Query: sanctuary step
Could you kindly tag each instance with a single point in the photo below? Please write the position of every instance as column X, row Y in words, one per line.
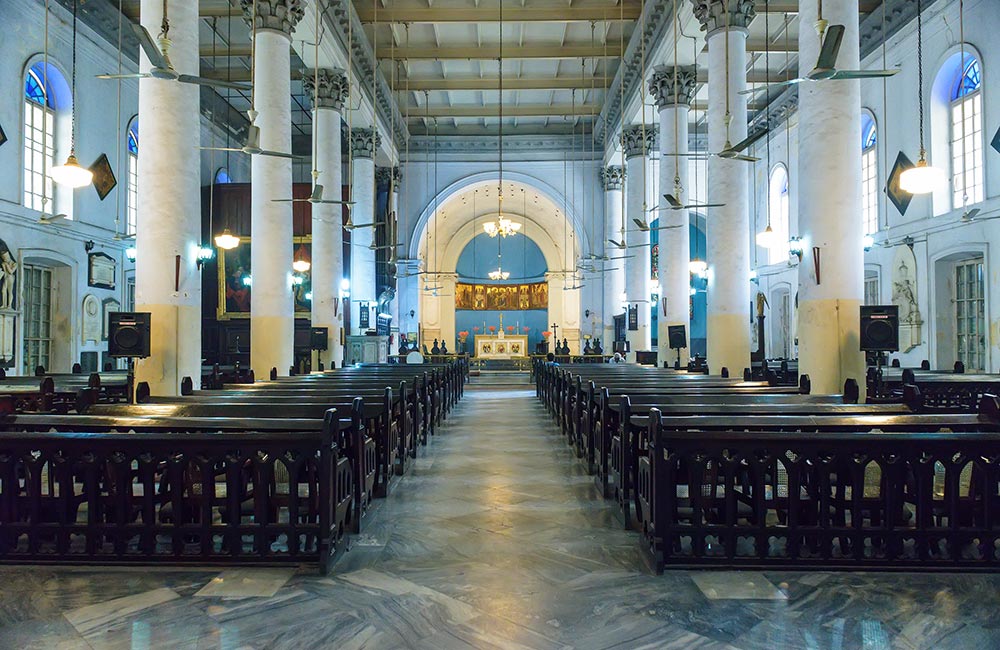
column 493, row 378
column 502, row 365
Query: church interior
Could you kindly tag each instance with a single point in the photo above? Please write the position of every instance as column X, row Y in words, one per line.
column 499, row 324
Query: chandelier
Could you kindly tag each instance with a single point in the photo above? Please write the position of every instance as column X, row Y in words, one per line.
column 499, row 274
column 502, row 227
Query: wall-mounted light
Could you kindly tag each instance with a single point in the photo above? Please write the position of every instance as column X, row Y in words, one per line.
column 753, row 276
column 297, row 280
column 130, row 253
column 309, row 296
column 795, row 247
column 868, row 242
column 302, row 262
column 248, row 281
column 204, row 253
column 693, row 291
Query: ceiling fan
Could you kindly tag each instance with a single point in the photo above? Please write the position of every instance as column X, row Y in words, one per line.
column 316, row 196
column 677, row 205
column 643, row 226
column 826, row 63
column 51, row 218
column 158, row 53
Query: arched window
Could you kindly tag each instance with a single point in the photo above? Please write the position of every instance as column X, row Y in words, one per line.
column 39, row 138
column 967, row 134
column 869, row 174
column 132, row 201
column 777, row 198
column 222, row 176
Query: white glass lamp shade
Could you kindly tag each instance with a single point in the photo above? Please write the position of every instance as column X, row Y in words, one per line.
column 227, row 241
column 767, row 238
column 71, row 174
column 922, row 178
column 697, row 267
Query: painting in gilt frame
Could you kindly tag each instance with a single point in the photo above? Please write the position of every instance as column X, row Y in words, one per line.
column 500, row 297
column 234, row 295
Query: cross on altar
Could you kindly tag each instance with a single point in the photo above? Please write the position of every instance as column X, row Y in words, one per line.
column 555, row 333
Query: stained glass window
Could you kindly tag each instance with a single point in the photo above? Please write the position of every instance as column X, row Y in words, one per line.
column 34, row 90
column 869, row 174
column 967, row 138
column 970, row 81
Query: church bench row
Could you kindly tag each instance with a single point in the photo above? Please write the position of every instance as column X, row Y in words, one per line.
column 941, row 391
column 60, row 393
column 99, row 489
column 903, row 492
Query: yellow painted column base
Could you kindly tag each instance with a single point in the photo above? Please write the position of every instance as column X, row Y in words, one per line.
column 728, row 343
column 271, row 341
column 174, row 347
column 829, row 344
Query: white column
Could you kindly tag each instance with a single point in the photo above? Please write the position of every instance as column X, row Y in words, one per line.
column 392, row 253
column 673, row 91
column 613, row 181
column 728, row 237
column 637, row 143
column 272, row 319
column 327, row 218
column 556, row 281
column 168, row 225
column 408, row 294
column 364, row 144
column 830, row 176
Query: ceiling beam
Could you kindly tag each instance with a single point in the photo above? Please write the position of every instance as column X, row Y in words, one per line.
column 493, row 110
column 492, row 83
column 554, row 13
column 792, row 6
column 206, row 10
column 207, row 52
column 490, row 52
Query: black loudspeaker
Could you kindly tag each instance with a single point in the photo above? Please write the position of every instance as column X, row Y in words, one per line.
column 677, row 336
column 128, row 334
column 879, row 328
column 318, row 337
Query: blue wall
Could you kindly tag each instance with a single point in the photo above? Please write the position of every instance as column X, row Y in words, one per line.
column 697, row 335
column 524, row 259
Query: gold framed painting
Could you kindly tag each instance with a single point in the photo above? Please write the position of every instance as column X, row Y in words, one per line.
column 235, row 270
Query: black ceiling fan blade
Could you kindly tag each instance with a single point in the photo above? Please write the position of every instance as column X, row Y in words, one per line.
column 695, row 206
column 746, row 142
column 672, row 200
column 827, row 59
column 863, row 74
column 642, row 225
column 149, row 47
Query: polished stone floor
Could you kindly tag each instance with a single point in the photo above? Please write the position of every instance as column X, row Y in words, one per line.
column 496, row 540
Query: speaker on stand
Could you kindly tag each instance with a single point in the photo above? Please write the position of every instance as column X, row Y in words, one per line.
column 128, row 337
column 677, row 339
column 879, row 333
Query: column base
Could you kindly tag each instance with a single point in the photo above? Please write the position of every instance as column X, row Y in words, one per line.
column 728, row 343
column 175, row 349
column 829, row 344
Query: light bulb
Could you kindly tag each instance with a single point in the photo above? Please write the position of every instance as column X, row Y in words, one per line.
column 921, row 179
column 697, row 267
column 130, row 253
column 767, row 238
column 71, row 173
column 301, row 266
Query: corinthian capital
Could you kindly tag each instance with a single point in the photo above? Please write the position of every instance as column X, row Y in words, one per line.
column 663, row 88
column 332, row 90
column 613, row 178
column 277, row 15
column 364, row 142
column 633, row 143
column 712, row 14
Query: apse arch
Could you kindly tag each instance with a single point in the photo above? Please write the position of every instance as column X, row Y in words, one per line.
column 554, row 196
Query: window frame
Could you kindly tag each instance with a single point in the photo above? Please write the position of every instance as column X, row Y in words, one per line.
column 780, row 209
column 44, row 202
column 968, row 99
column 869, row 174
column 961, row 312
column 31, row 309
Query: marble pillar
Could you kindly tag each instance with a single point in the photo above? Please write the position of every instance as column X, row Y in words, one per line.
column 327, row 218
column 831, row 273
column 396, row 183
column 728, row 236
column 638, row 143
column 673, row 91
column 613, row 182
column 364, row 144
column 272, row 316
column 169, row 218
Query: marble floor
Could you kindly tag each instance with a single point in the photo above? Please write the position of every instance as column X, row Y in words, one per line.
column 496, row 540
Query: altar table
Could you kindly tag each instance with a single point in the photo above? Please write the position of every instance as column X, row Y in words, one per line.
column 506, row 347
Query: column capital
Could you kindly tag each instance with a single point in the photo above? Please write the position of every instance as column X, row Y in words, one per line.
column 364, row 142
column 633, row 143
column 668, row 94
column 712, row 14
column 613, row 178
column 332, row 91
column 276, row 15
column 388, row 177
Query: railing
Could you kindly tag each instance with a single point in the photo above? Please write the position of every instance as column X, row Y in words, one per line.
column 821, row 499
column 203, row 497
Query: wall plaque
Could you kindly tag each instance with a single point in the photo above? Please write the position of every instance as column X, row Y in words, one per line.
column 101, row 271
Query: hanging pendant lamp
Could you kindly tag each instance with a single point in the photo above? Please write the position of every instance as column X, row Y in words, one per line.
column 921, row 179
column 70, row 173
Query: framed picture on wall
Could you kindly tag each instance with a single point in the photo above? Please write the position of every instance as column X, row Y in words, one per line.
column 235, row 284
column 101, row 271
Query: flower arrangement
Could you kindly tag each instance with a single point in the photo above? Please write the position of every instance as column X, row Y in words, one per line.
column 510, row 329
column 462, row 336
column 525, row 329
column 475, row 329
column 493, row 329
column 546, row 334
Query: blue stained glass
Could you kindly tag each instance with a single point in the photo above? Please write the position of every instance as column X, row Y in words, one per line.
column 868, row 137
column 133, row 144
column 971, row 80
column 222, row 176
column 34, row 91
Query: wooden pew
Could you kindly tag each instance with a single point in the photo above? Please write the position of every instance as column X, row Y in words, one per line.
column 107, row 490
column 903, row 492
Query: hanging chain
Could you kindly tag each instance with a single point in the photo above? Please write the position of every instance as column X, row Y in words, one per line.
column 920, row 73
column 72, row 129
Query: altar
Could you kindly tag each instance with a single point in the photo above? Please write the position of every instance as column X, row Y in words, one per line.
column 501, row 347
